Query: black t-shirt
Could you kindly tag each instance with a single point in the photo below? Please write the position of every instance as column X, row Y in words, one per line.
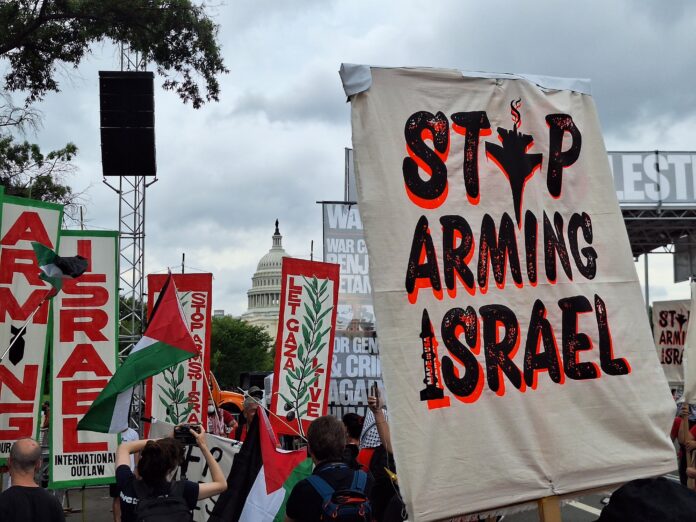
column 129, row 499
column 26, row 504
column 304, row 503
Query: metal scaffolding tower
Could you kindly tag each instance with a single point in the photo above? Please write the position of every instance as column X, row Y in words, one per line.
column 131, row 247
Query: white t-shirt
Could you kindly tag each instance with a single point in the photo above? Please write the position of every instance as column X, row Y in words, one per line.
column 130, row 435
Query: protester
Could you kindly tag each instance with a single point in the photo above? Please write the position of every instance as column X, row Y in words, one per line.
column 353, row 424
column 127, row 435
column 25, row 501
column 220, row 421
column 375, row 443
column 159, row 459
column 326, row 440
column 250, row 405
column 687, row 443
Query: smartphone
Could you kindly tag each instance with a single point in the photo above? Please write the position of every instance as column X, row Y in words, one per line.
column 374, row 390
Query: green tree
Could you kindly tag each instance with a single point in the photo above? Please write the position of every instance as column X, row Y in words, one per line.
column 238, row 347
column 177, row 35
column 39, row 36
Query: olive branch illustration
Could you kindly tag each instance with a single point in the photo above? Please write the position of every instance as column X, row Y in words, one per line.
column 178, row 406
column 313, row 342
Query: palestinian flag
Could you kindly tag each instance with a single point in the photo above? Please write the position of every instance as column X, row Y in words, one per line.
column 167, row 341
column 261, row 478
column 55, row 268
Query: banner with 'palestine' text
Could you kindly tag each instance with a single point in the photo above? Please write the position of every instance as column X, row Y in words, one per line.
column 304, row 344
column 180, row 393
column 84, row 358
column 21, row 294
column 516, row 352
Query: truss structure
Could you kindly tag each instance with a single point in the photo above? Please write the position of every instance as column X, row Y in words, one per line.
column 659, row 228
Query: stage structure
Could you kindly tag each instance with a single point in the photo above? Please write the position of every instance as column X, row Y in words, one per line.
column 657, row 196
column 127, row 121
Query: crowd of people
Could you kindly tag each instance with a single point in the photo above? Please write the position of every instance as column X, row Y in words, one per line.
column 351, row 456
column 354, row 475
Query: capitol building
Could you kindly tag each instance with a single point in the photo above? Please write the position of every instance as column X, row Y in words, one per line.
column 264, row 296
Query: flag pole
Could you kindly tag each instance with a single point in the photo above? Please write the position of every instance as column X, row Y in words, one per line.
column 24, row 327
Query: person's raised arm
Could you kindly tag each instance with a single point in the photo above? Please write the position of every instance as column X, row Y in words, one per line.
column 219, row 482
column 375, row 404
column 125, row 449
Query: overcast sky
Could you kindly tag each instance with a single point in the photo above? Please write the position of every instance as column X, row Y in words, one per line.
column 274, row 144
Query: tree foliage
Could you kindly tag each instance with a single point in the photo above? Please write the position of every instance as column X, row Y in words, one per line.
column 177, row 35
column 238, row 347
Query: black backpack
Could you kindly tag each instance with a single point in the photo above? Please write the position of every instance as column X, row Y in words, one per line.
column 163, row 508
column 344, row 505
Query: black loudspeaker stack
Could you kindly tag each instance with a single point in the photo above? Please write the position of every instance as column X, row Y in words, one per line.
column 127, row 114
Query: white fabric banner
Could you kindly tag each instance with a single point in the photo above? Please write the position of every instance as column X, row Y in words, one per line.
column 670, row 323
column 83, row 359
column 21, row 293
column 222, row 449
column 516, row 351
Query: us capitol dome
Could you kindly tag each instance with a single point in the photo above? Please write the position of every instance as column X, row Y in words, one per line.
column 264, row 296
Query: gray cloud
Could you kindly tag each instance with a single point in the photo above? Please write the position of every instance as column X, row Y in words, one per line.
column 274, row 144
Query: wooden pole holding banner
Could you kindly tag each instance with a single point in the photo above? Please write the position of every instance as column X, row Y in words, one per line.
column 549, row 509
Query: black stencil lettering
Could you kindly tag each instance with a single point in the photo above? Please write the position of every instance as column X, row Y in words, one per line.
column 500, row 248
column 499, row 353
column 455, row 318
column 427, row 269
column 455, row 258
column 559, row 124
column 540, row 332
column 554, row 243
column 530, row 245
column 574, row 341
column 609, row 364
column 472, row 123
column 584, row 223
column 437, row 124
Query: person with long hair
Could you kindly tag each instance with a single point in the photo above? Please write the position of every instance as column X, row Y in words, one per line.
column 159, row 459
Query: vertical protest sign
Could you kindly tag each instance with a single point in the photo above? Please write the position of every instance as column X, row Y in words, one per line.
column 84, row 358
column 180, row 393
column 304, row 344
column 21, row 294
column 670, row 322
column 515, row 348
column 356, row 363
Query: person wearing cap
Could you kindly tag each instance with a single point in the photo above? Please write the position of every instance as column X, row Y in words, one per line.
column 251, row 404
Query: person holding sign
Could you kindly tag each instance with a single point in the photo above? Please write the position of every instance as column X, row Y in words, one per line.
column 687, row 441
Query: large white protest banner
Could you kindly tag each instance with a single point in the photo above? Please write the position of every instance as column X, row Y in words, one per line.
column 83, row 359
column 194, row 465
column 22, row 294
column 516, row 352
column 670, row 321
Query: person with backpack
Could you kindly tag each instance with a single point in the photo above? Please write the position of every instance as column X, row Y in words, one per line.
column 152, row 496
column 334, row 491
